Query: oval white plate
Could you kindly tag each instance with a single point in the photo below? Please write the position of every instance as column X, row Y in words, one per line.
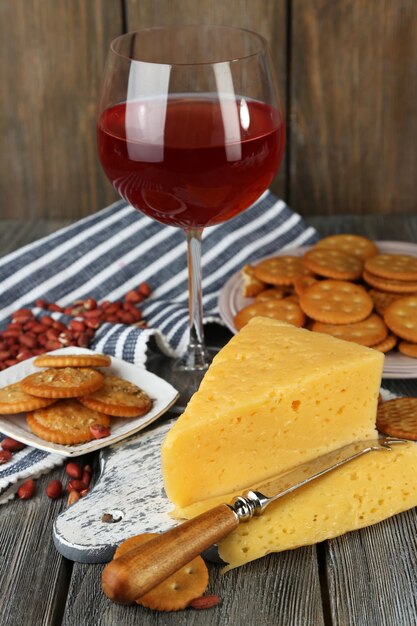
column 161, row 392
column 231, row 301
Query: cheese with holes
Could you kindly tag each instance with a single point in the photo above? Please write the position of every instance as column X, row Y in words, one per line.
column 274, row 397
column 358, row 494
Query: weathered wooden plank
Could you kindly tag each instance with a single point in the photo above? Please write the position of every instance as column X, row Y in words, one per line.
column 396, row 228
column 280, row 589
column 353, row 116
column 51, row 62
column 16, row 233
column 372, row 574
column 33, row 576
column 269, row 18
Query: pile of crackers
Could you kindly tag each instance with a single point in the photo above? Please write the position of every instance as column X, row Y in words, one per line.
column 342, row 286
column 72, row 401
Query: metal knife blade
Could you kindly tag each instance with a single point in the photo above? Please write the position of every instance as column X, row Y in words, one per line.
column 255, row 501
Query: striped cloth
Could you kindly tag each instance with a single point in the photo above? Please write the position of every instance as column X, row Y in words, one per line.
column 111, row 252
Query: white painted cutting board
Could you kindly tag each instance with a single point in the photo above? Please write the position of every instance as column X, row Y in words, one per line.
column 129, row 489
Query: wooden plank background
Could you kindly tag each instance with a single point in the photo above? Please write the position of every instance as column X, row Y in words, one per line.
column 347, row 71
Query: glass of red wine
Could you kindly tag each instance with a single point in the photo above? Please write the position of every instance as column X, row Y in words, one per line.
column 190, row 132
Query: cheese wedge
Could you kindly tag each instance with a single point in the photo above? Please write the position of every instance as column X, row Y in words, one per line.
column 274, row 397
column 363, row 492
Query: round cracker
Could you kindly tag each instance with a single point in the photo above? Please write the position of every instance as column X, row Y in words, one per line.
column 389, row 285
column 393, row 266
column 408, row 349
column 72, row 360
column 401, row 318
column 66, row 382
column 179, row 589
column 118, row 397
column 14, row 400
column 275, row 293
column 368, row 332
column 398, row 418
column 251, row 285
column 332, row 263
column 382, row 299
column 280, row 270
column 336, row 302
column 355, row 245
column 387, row 344
column 285, row 310
column 66, row 422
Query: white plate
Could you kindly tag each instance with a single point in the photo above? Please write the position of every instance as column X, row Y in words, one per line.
column 231, row 301
column 161, row 392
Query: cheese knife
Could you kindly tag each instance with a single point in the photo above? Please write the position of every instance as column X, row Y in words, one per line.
column 133, row 574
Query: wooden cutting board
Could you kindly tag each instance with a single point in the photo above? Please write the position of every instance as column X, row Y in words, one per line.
column 129, row 491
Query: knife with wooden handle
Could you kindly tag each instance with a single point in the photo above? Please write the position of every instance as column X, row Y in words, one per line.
column 133, row 574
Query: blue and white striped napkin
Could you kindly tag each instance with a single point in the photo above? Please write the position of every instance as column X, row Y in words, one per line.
column 113, row 251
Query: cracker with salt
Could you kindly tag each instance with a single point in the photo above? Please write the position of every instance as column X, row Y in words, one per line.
column 179, row 589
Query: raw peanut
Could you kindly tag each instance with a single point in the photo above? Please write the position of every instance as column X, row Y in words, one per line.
column 11, row 333
column 133, row 296
column 73, row 470
column 23, row 355
column 76, row 325
column 54, row 489
column 83, row 340
column 59, row 326
column 28, row 340
column 93, row 314
column 26, row 489
column 144, row 289
column 73, row 497
column 111, row 318
column 53, row 345
column 90, row 304
column 94, row 324
column 4, row 354
column 12, row 445
column 113, row 307
column 52, row 334
column 126, row 317
column 10, row 362
column 20, row 312
column 22, row 319
column 76, row 485
column 99, row 431
column 41, row 304
column 37, row 327
column 84, row 492
column 86, row 477
column 46, row 320
column 54, row 307
column 204, row 602
column 5, row 456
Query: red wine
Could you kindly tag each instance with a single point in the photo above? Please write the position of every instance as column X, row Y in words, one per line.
column 191, row 161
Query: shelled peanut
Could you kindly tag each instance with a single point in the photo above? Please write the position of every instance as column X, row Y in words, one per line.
column 27, row 335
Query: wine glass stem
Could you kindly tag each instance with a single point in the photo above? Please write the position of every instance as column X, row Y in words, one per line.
column 196, row 357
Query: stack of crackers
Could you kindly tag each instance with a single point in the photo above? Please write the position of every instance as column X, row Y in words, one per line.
column 72, row 401
column 342, row 286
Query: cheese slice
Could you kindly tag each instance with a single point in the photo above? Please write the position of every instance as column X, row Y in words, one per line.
column 274, row 397
column 358, row 494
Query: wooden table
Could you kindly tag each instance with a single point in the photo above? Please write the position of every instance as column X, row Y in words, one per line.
column 367, row 577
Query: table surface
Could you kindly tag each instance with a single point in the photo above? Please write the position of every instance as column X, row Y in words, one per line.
column 365, row 577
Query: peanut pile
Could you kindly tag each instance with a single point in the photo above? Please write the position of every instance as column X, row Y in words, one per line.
column 27, row 335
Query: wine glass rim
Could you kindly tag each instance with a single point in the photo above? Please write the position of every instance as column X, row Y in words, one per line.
column 263, row 44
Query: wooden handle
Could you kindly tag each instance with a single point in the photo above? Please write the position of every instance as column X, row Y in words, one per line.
column 131, row 575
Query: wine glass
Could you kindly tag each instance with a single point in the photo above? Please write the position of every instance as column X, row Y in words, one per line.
column 190, row 132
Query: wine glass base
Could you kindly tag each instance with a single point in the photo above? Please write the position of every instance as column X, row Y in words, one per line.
column 173, row 371
column 176, row 372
